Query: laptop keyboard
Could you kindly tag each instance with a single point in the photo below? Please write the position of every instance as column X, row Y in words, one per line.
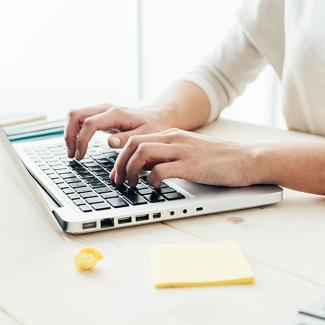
column 86, row 183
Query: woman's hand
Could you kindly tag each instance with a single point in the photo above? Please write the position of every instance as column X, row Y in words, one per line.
column 186, row 155
column 83, row 123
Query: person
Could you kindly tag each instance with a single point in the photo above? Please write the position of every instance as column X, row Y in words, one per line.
column 287, row 34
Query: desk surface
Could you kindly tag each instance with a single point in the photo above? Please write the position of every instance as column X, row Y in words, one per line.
column 284, row 244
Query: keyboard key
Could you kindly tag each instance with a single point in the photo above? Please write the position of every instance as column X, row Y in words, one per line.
column 144, row 179
column 154, row 197
column 84, row 208
column 62, row 171
column 68, row 191
column 109, row 195
column 73, row 163
column 86, row 160
column 108, row 165
column 103, row 190
column 67, row 175
column 164, row 190
column 72, row 180
column 91, row 164
column 141, row 186
column 146, row 191
column 98, row 156
column 108, row 181
column 95, row 169
column 117, row 202
column 58, row 181
column 113, row 186
column 54, row 163
column 94, row 200
column 102, row 160
column 85, row 173
column 63, row 186
column 163, row 185
column 97, row 184
column 88, row 195
column 111, row 154
column 79, row 202
column 90, row 179
column 174, row 196
column 82, row 189
column 102, row 172
column 73, row 196
column 100, row 206
column 79, row 184
column 134, row 198
column 60, row 166
column 121, row 188
column 53, row 176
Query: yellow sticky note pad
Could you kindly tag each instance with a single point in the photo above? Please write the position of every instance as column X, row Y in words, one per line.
column 200, row 264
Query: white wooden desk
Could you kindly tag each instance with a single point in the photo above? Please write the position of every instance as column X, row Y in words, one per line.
column 284, row 243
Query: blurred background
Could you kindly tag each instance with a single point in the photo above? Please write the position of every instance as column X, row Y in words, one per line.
column 61, row 54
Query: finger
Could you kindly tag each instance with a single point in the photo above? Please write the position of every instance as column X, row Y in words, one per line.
column 130, row 147
column 149, row 152
column 112, row 174
column 90, row 125
column 75, row 119
column 118, row 140
column 114, row 118
column 166, row 170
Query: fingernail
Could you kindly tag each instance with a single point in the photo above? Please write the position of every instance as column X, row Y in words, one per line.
column 115, row 141
column 77, row 155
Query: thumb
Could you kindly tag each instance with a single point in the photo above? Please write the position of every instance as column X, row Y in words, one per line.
column 118, row 140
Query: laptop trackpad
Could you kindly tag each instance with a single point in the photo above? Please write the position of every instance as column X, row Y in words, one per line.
column 196, row 189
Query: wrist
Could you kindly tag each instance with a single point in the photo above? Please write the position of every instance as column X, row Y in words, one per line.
column 164, row 115
column 262, row 171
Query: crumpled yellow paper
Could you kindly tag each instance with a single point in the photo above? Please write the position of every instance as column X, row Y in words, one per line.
column 86, row 259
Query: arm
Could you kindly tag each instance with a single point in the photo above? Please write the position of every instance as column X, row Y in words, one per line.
column 201, row 159
column 187, row 104
column 299, row 166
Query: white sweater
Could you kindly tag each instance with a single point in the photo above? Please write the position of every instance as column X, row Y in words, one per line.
column 289, row 35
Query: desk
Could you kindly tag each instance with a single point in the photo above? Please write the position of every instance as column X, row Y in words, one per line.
column 284, row 244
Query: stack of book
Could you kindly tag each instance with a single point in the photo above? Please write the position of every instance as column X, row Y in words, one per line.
column 31, row 126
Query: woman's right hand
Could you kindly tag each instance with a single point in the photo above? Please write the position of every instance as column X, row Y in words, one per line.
column 83, row 123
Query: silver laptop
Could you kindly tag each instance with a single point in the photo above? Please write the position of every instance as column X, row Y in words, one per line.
column 83, row 199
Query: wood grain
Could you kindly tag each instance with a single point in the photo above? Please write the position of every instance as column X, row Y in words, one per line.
column 284, row 245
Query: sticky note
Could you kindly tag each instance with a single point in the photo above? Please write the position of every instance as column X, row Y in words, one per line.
column 199, row 264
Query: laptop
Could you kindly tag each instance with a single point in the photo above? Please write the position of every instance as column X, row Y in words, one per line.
column 83, row 199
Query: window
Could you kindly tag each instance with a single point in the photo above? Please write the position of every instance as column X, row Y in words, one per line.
column 61, row 54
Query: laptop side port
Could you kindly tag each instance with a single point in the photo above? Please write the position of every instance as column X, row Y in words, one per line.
column 156, row 215
column 199, row 209
column 89, row 225
column 124, row 220
column 107, row 223
column 143, row 217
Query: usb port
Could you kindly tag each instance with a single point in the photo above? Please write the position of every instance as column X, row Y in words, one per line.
column 156, row 215
column 124, row 220
column 143, row 217
column 107, row 223
column 199, row 209
column 89, row 225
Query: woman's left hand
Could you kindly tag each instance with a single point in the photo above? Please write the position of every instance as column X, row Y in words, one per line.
column 186, row 155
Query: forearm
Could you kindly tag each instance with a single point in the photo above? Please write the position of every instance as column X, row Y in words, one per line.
column 183, row 105
column 293, row 165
